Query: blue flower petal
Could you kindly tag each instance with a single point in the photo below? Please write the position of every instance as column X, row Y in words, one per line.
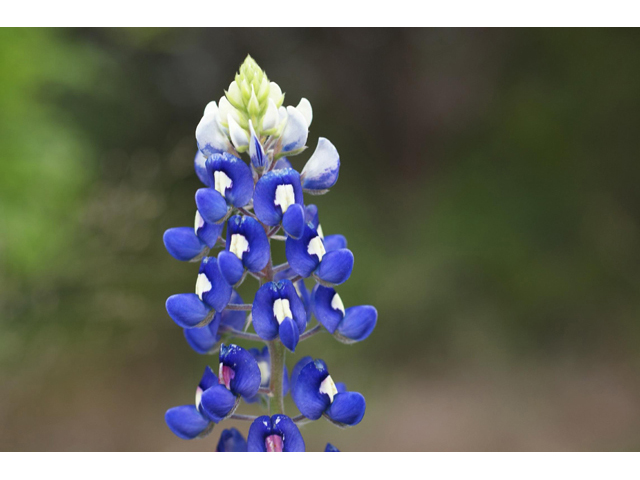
column 293, row 221
column 217, row 297
column 347, row 408
column 203, row 339
column 336, row 266
column 208, row 380
column 264, row 322
column 295, row 373
column 258, row 254
column 246, row 381
column 297, row 252
column 200, row 168
column 322, row 169
column 211, row 205
column 294, row 135
column 288, row 430
column 207, row 232
column 231, row 267
column 324, row 301
column 259, row 430
column 224, row 167
column 358, row 322
column 231, row 440
column 274, row 191
column 187, row 422
column 335, row 242
column 306, row 390
column 186, row 309
column 331, row 448
column 217, row 402
column 289, row 334
column 183, row 244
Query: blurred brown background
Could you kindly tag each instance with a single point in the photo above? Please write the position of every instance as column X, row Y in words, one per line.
column 488, row 189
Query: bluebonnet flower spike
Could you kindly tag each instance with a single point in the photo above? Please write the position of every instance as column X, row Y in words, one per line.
column 254, row 200
column 315, row 394
column 274, row 434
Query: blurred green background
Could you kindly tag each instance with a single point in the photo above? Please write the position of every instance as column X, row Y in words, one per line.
column 489, row 191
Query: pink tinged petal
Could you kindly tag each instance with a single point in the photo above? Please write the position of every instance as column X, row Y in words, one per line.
column 273, row 443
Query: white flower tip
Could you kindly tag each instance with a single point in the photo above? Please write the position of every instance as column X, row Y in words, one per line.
column 304, row 107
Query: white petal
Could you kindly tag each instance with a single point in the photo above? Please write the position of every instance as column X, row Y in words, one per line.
column 209, row 137
column 270, row 119
column 237, row 134
column 304, row 107
column 321, row 170
column 256, row 150
column 275, row 93
column 211, row 108
column 225, row 109
column 295, row 131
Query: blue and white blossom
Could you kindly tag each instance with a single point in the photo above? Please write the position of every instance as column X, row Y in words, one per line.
column 253, row 195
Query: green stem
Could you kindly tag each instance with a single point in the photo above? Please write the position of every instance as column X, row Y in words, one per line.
column 277, row 353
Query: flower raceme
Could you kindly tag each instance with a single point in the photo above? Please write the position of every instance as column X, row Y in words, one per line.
column 243, row 208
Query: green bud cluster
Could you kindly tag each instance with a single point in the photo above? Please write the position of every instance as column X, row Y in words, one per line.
column 249, row 94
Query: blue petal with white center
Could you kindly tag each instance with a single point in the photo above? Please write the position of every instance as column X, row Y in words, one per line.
column 231, row 440
column 275, row 192
column 247, row 239
column 231, row 178
column 358, row 322
column 246, row 373
column 274, row 302
column 327, row 307
column 183, row 244
column 187, row 422
column 294, row 135
column 322, row 169
column 305, row 253
column 264, row 428
column 336, row 266
column 186, row 309
column 211, row 287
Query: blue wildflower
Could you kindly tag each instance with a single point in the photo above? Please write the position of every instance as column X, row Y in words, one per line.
column 231, row 440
